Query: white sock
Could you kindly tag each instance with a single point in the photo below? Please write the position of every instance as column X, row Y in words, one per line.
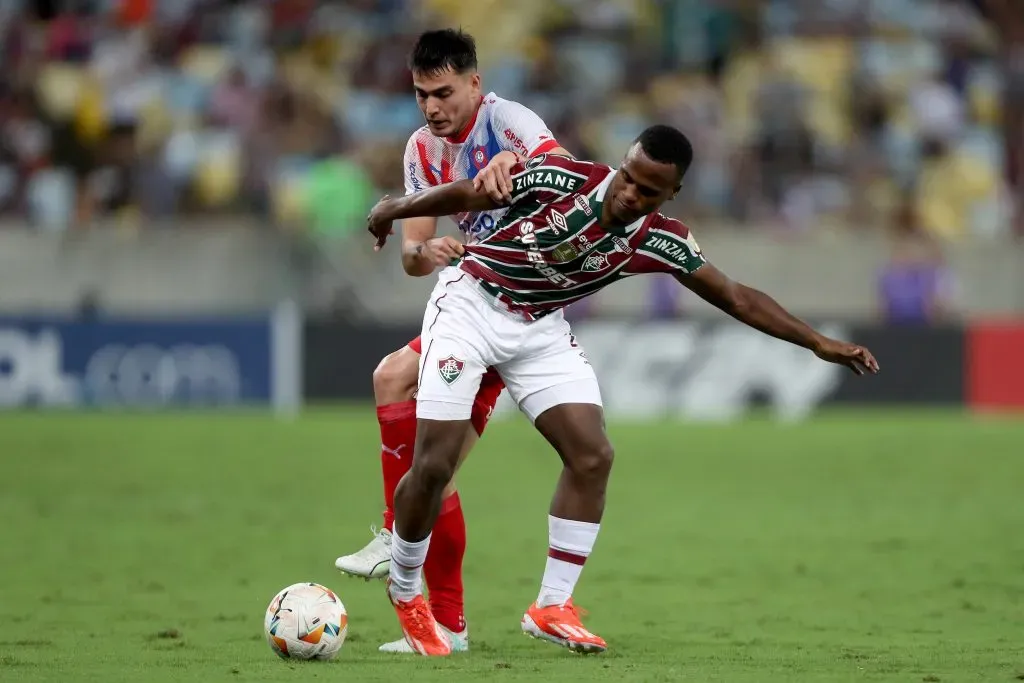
column 569, row 546
column 407, row 566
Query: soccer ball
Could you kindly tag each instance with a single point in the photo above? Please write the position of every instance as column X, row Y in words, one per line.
column 306, row 621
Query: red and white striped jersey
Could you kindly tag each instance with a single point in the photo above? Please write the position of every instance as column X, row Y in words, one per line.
column 498, row 125
column 549, row 249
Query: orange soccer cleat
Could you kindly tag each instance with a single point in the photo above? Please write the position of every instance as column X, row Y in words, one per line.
column 424, row 635
column 560, row 624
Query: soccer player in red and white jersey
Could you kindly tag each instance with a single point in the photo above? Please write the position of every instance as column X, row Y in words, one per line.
column 468, row 136
column 572, row 228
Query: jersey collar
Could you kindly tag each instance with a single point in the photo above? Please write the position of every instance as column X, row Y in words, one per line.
column 463, row 134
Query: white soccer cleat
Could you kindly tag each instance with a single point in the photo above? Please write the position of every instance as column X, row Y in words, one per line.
column 373, row 561
column 459, row 642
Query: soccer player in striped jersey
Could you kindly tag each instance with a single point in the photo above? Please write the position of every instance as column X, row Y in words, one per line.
column 573, row 227
column 471, row 136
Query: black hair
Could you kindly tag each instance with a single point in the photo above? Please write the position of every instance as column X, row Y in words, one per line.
column 437, row 51
column 667, row 145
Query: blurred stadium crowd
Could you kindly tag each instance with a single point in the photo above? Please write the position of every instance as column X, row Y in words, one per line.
column 806, row 114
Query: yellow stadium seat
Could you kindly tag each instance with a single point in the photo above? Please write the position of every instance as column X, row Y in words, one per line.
column 984, row 104
column 288, row 197
column 822, row 64
column 60, row 87
column 216, row 183
column 155, row 124
column 948, row 189
column 90, row 116
column 667, row 90
column 739, row 83
column 499, row 28
column 218, row 174
column 206, row 63
column 830, row 122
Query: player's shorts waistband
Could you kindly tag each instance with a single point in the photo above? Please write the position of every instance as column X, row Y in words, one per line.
column 501, row 304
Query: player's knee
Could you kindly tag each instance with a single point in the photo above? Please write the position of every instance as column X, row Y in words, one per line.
column 593, row 461
column 394, row 379
column 433, row 473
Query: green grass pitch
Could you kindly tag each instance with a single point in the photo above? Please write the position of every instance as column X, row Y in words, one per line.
column 855, row 547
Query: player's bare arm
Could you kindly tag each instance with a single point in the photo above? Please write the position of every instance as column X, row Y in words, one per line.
column 443, row 200
column 760, row 311
column 416, row 232
column 496, row 177
column 422, row 250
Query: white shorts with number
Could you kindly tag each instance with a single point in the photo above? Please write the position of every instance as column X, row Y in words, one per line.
column 464, row 334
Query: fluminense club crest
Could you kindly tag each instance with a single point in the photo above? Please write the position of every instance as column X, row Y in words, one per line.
column 595, row 263
column 450, row 369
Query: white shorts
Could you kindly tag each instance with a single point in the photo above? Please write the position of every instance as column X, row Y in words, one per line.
column 464, row 333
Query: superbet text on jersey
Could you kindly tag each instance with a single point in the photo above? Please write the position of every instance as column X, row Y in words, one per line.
column 499, row 125
column 548, row 250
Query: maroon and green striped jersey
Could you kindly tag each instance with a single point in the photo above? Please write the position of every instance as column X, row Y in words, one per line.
column 549, row 251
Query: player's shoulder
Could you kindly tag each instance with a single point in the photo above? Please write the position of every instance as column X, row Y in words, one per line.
column 560, row 163
column 664, row 233
column 506, row 112
column 493, row 104
column 420, row 136
column 661, row 222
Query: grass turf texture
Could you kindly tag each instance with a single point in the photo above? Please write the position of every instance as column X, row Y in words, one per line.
column 850, row 548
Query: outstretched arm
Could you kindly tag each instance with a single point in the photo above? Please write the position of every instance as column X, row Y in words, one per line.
column 760, row 311
column 442, row 200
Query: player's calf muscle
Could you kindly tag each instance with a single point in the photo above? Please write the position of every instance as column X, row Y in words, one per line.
column 418, row 498
column 394, row 379
column 576, row 432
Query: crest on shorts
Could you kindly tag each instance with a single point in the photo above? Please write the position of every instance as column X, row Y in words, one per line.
column 450, row 369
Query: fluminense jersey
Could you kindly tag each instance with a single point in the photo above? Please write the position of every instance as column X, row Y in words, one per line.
column 549, row 251
column 498, row 125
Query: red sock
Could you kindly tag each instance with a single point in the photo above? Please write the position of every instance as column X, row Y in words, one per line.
column 397, row 439
column 442, row 571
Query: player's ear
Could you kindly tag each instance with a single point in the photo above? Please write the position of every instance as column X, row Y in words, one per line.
column 474, row 80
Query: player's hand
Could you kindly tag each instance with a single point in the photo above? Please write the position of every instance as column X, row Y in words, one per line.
column 496, row 178
column 855, row 357
column 379, row 222
column 441, row 251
